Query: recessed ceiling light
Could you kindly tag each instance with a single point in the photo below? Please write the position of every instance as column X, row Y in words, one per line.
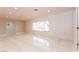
column 35, row 9
column 10, row 13
column 48, row 10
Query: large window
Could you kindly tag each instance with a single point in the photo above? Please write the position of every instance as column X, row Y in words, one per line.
column 41, row 26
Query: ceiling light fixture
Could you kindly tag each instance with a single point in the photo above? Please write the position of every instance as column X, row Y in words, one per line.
column 48, row 10
column 35, row 9
column 10, row 13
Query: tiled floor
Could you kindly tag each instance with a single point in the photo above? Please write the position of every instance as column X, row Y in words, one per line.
column 31, row 43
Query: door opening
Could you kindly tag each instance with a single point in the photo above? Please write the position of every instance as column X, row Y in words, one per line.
column 11, row 27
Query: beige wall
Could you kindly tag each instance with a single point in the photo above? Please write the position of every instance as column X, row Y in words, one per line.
column 61, row 26
column 20, row 26
column 2, row 25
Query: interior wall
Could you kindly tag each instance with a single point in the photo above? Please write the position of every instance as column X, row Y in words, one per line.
column 60, row 25
column 2, row 26
column 20, row 26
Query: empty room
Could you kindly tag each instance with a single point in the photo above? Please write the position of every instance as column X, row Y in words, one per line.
column 37, row 29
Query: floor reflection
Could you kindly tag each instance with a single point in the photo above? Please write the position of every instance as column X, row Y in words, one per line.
column 32, row 43
column 40, row 42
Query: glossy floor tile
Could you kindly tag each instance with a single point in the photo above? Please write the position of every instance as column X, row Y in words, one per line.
column 31, row 43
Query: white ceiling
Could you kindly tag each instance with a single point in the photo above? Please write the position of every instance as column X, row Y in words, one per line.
column 28, row 13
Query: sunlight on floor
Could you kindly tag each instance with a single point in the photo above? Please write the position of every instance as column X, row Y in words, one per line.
column 40, row 42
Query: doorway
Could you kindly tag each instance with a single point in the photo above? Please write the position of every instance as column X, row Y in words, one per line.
column 11, row 27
